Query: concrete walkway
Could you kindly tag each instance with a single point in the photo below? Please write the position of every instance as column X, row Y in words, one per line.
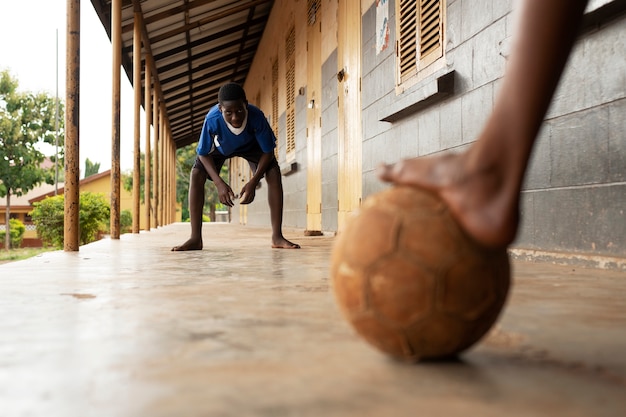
column 128, row 328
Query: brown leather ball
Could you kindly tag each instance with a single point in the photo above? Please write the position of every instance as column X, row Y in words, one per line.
column 411, row 282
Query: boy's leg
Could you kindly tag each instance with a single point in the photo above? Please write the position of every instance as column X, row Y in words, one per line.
column 482, row 186
column 274, row 197
column 275, row 200
column 197, row 179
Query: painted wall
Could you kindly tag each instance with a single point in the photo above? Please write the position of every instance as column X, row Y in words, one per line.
column 574, row 194
column 101, row 183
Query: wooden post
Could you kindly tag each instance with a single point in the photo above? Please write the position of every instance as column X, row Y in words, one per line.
column 161, row 161
column 148, row 105
column 137, row 105
column 155, row 165
column 116, row 47
column 71, row 232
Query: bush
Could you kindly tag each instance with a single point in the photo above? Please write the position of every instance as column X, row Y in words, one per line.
column 126, row 221
column 17, row 230
column 95, row 212
column 48, row 216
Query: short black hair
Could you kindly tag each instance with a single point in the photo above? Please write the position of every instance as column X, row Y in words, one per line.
column 231, row 91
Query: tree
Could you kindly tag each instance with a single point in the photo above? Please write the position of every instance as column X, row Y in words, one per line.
column 91, row 168
column 26, row 121
column 127, row 178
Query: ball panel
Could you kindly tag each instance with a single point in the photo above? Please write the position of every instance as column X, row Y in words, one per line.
column 383, row 337
column 438, row 336
column 399, row 290
column 372, row 233
column 471, row 286
column 428, row 241
column 468, row 288
column 348, row 285
column 405, row 199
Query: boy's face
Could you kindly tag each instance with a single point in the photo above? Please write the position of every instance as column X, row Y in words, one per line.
column 234, row 112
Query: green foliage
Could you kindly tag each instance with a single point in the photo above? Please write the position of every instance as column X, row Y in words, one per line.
column 48, row 216
column 127, row 179
column 20, row 254
column 91, row 168
column 95, row 212
column 16, row 232
column 26, row 120
column 126, row 221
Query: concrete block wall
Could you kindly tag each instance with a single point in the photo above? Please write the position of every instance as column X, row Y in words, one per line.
column 574, row 195
column 575, row 192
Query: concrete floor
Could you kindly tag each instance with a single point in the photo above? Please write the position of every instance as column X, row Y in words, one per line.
column 128, row 328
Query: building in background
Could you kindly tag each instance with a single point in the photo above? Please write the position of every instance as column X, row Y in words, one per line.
column 97, row 183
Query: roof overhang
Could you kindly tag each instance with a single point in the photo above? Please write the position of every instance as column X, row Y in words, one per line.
column 196, row 45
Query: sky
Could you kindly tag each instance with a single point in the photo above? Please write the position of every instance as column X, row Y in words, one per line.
column 28, row 49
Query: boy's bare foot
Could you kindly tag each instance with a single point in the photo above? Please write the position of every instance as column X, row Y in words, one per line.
column 191, row 244
column 479, row 198
column 282, row 243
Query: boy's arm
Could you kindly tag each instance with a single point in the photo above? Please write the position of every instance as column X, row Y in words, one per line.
column 224, row 191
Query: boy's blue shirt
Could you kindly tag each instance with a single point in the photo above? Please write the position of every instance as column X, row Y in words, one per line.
column 215, row 132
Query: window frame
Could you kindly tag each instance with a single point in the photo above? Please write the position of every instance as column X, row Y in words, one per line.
column 420, row 48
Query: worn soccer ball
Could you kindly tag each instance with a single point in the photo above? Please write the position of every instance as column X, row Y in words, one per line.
column 411, row 282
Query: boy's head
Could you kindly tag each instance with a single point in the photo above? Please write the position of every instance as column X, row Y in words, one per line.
column 231, row 92
column 232, row 104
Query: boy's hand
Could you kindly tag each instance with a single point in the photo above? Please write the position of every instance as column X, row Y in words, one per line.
column 247, row 193
column 225, row 194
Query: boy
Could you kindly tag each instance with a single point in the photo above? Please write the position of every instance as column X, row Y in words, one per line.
column 235, row 128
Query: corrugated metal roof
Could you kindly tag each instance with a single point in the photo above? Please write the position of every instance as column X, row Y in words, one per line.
column 197, row 46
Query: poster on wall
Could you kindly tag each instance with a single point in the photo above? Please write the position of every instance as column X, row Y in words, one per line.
column 382, row 25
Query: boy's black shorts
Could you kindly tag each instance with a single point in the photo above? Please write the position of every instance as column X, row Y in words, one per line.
column 252, row 156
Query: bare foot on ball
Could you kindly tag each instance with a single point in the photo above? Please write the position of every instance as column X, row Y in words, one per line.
column 482, row 186
column 282, row 243
column 479, row 198
column 191, row 244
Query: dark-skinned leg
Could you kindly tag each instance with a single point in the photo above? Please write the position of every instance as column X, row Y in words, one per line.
column 197, row 179
column 482, row 186
column 275, row 199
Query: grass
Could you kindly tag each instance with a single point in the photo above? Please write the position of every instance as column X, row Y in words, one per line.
column 21, row 253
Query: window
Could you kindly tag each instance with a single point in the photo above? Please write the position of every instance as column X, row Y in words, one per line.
column 312, row 8
column 420, row 36
column 290, row 59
